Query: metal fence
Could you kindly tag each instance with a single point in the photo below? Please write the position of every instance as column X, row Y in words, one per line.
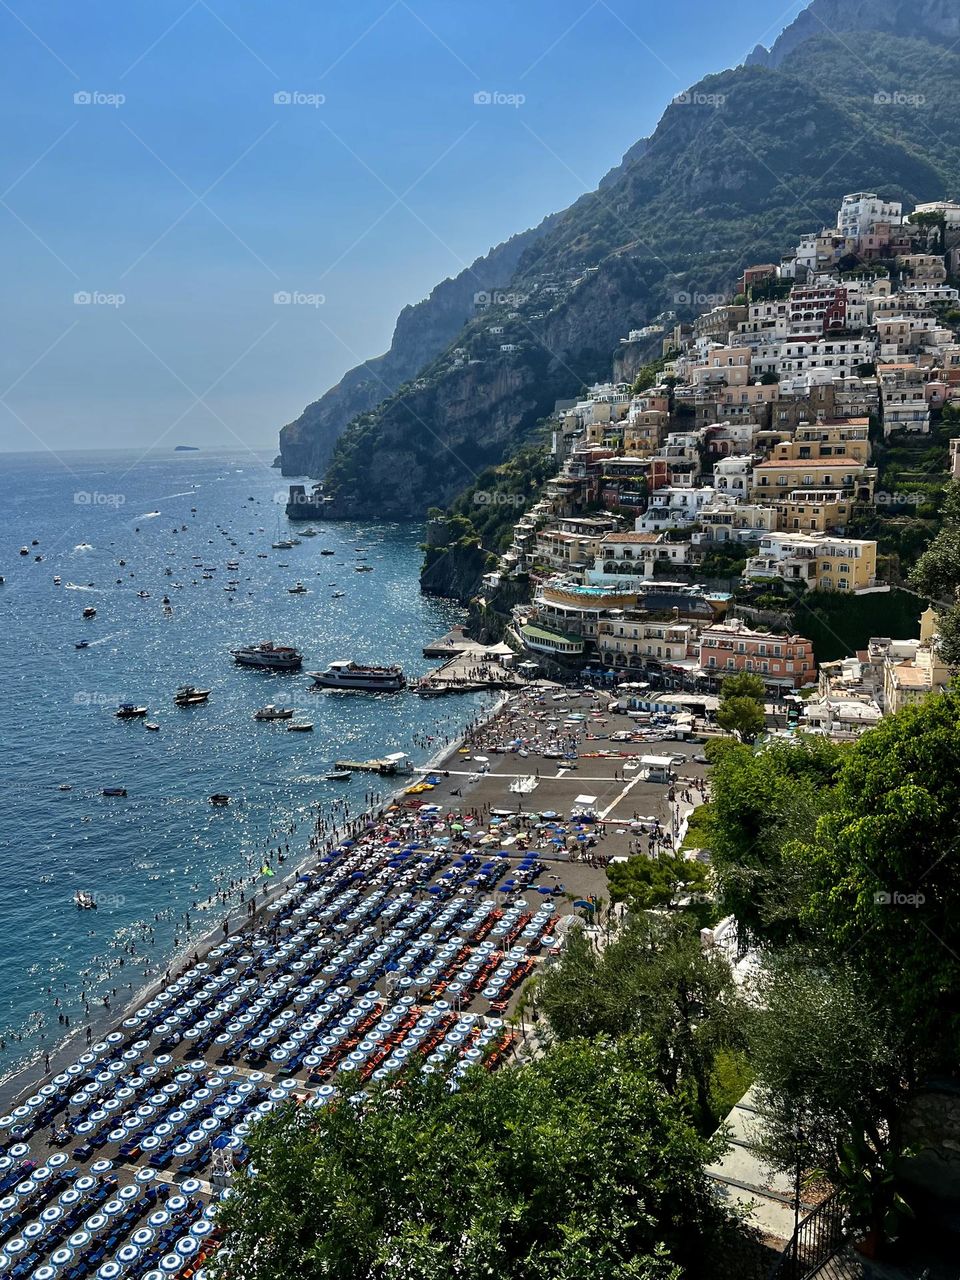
column 818, row 1239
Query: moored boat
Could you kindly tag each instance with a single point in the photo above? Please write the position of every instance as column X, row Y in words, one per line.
column 354, row 675
column 271, row 712
column 188, row 696
column 300, row 726
column 129, row 711
column 268, row 657
column 89, row 611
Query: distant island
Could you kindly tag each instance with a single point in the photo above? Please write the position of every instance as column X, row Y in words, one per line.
column 186, row 448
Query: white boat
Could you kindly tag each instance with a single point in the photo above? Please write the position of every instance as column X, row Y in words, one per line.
column 268, row 657
column 271, row 712
column 149, row 724
column 85, row 901
column 300, row 726
column 129, row 711
column 188, row 696
column 308, row 533
column 282, row 545
column 353, row 675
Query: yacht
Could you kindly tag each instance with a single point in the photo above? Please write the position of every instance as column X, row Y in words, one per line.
column 271, row 712
column 129, row 711
column 308, row 533
column 353, row 675
column 188, row 696
column 283, row 545
column 269, row 657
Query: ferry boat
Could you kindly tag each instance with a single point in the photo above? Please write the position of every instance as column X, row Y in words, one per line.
column 271, row 712
column 129, row 711
column 268, row 657
column 353, row 675
column 188, row 696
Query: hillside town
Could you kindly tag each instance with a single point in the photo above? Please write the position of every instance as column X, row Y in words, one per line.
column 744, row 459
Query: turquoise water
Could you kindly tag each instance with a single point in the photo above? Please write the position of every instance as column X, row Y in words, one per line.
column 150, row 857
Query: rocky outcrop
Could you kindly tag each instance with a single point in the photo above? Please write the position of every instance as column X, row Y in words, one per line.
column 453, row 565
column 933, row 20
column 421, row 333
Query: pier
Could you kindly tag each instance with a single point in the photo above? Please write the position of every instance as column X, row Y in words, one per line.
column 470, row 667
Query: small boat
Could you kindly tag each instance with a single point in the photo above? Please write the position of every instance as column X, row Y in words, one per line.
column 327, row 552
column 271, row 712
column 308, row 533
column 189, row 696
column 282, row 545
column 129, row 711
column 353, row 675
column 165, row 600
column 56, row 580
column 298, row 590
column 338, row 775
column 38, row 559
column 338, row 595
column 220, row 798
column 65, row 786
column 24, row 551
column 85, row 901
column 151, row 725
column 300, row 726
column 114, row 791
column 268, row 657
column 89, row 611
column 363, row 568
column 143, row 595
column 81, row 644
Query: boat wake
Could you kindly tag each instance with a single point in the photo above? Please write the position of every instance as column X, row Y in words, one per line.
column 76, row 586
column 147, row 515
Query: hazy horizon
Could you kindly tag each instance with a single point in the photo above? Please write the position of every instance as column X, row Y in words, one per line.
column 170, row 170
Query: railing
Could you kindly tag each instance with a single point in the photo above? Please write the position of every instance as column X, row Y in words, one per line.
column 818, row 1238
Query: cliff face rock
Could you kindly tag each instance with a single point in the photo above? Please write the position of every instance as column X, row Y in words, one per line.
column 421, row 333
column 933, row 20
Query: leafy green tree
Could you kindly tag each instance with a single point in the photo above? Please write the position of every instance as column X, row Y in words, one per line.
column 574, row 1167
column 654, row 978
column 937, row 575
column 742, row 716
column 644, row 883
column 835, row 1069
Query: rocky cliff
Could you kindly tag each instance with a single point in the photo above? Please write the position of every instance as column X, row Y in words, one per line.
column 737, row 168
column 421, row 333
column 933, row 20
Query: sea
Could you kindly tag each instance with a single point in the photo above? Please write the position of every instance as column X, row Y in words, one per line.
column 121, row 530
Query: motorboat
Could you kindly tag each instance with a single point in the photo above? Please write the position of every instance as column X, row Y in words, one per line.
column 271, row 712
column 57, row 580
column 114, row 791
column 300, row 726
column 268, row 657
column 89, row 611
column 129, row 711
column 338, row 595
column 298, row 590
column 189, row 696
column 363, row 568
column 327, row 552
column 338, row 775
column 24, row 551
column 85, row 901
column 220, row 798
column 151, row 725
column 355, row 676
column 308, row 533
column 282, row 545
column 81, row 644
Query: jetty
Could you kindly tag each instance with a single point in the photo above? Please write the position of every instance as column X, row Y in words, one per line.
column 473, row 668
column 388, row 766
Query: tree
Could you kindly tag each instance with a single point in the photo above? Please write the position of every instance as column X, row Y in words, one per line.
column 656, row 979
column 743, row 717
column 835, row 1069
column 741, row 705
column 937, row 574
column 574, row 1167
column 644, row 883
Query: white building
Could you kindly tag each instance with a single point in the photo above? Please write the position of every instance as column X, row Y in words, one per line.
column 861, row 211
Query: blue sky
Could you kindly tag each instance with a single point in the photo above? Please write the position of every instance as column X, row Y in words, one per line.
column 198, row 197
